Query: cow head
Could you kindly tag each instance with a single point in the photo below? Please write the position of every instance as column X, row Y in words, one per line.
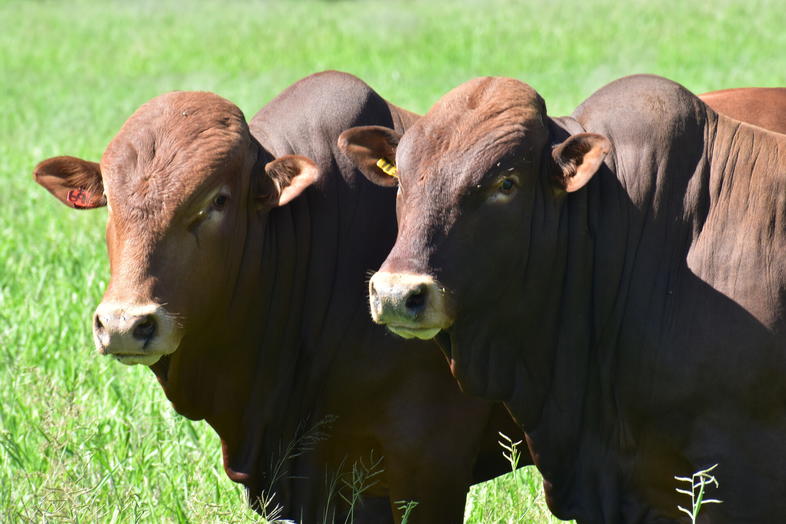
column 183, row 181
column 480, row 179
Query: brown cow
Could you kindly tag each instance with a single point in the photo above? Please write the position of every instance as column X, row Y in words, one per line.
column 761, row 106
column 238, row 269
column 618, row 278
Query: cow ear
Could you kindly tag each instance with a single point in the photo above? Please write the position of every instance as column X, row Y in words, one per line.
column 577, row 159
column 75, row 182
column 290, row 175
column 373, row 151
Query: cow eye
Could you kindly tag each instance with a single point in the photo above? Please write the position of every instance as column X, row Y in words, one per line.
column 220, row 201
column 506, row 186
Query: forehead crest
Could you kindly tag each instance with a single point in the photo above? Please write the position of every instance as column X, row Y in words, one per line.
column 495, row 100
column 480, row 118
column 180, row 118
column 171, row 144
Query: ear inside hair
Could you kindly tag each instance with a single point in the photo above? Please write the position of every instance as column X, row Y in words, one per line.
column 290, row 175
column 373, row 151
column 577, row 159
column 75, row 182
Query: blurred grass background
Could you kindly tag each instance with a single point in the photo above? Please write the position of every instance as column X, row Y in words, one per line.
column 86, row 439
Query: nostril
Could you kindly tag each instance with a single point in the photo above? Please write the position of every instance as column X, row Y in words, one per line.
column 145, row 329
column 416, row 300
column 98, row 326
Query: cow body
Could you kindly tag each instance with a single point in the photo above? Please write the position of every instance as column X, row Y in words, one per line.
column 616, row 277
column 761, row 106
column 238, row 270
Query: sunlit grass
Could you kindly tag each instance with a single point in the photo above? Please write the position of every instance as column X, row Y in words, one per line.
column 85, row 439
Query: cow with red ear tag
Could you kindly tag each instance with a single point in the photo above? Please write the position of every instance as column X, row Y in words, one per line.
column 238, row 257
column 617, row 278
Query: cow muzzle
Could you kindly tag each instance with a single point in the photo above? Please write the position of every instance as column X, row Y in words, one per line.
column 409, row 305
column 133, row 333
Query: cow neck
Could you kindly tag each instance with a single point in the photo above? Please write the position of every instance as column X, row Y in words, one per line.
column 301, row 320
column 571, row 411
column 323, row 251
column 278, row 274
column 237, row 372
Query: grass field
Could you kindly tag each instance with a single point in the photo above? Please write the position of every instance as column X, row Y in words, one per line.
column 84, row 439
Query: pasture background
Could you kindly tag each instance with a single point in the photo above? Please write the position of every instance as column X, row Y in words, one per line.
column 86, row 439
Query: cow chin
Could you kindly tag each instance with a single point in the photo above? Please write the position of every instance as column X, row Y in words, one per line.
column 149, row 357
column 412, row 332
column 144, row 360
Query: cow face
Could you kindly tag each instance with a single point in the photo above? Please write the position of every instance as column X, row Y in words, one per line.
column 183, row 181
column 477, row 180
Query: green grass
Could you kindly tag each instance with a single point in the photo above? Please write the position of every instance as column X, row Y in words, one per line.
column 84, row 439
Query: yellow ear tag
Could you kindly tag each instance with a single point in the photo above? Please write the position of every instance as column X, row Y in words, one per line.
column 387, row 168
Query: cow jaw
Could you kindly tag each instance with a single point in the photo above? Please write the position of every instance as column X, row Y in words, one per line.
column 409, row 332
column 410, row 305
column 134, row 333
column 143, row 360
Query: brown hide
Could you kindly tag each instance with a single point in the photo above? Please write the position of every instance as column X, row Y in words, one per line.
column 761, row 106
column 616, row 277
column 239, row 260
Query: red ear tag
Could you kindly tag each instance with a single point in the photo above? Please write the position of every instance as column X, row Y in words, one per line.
column 80, row 199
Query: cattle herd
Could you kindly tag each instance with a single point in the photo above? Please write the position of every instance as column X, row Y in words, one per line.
column 608, row 287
